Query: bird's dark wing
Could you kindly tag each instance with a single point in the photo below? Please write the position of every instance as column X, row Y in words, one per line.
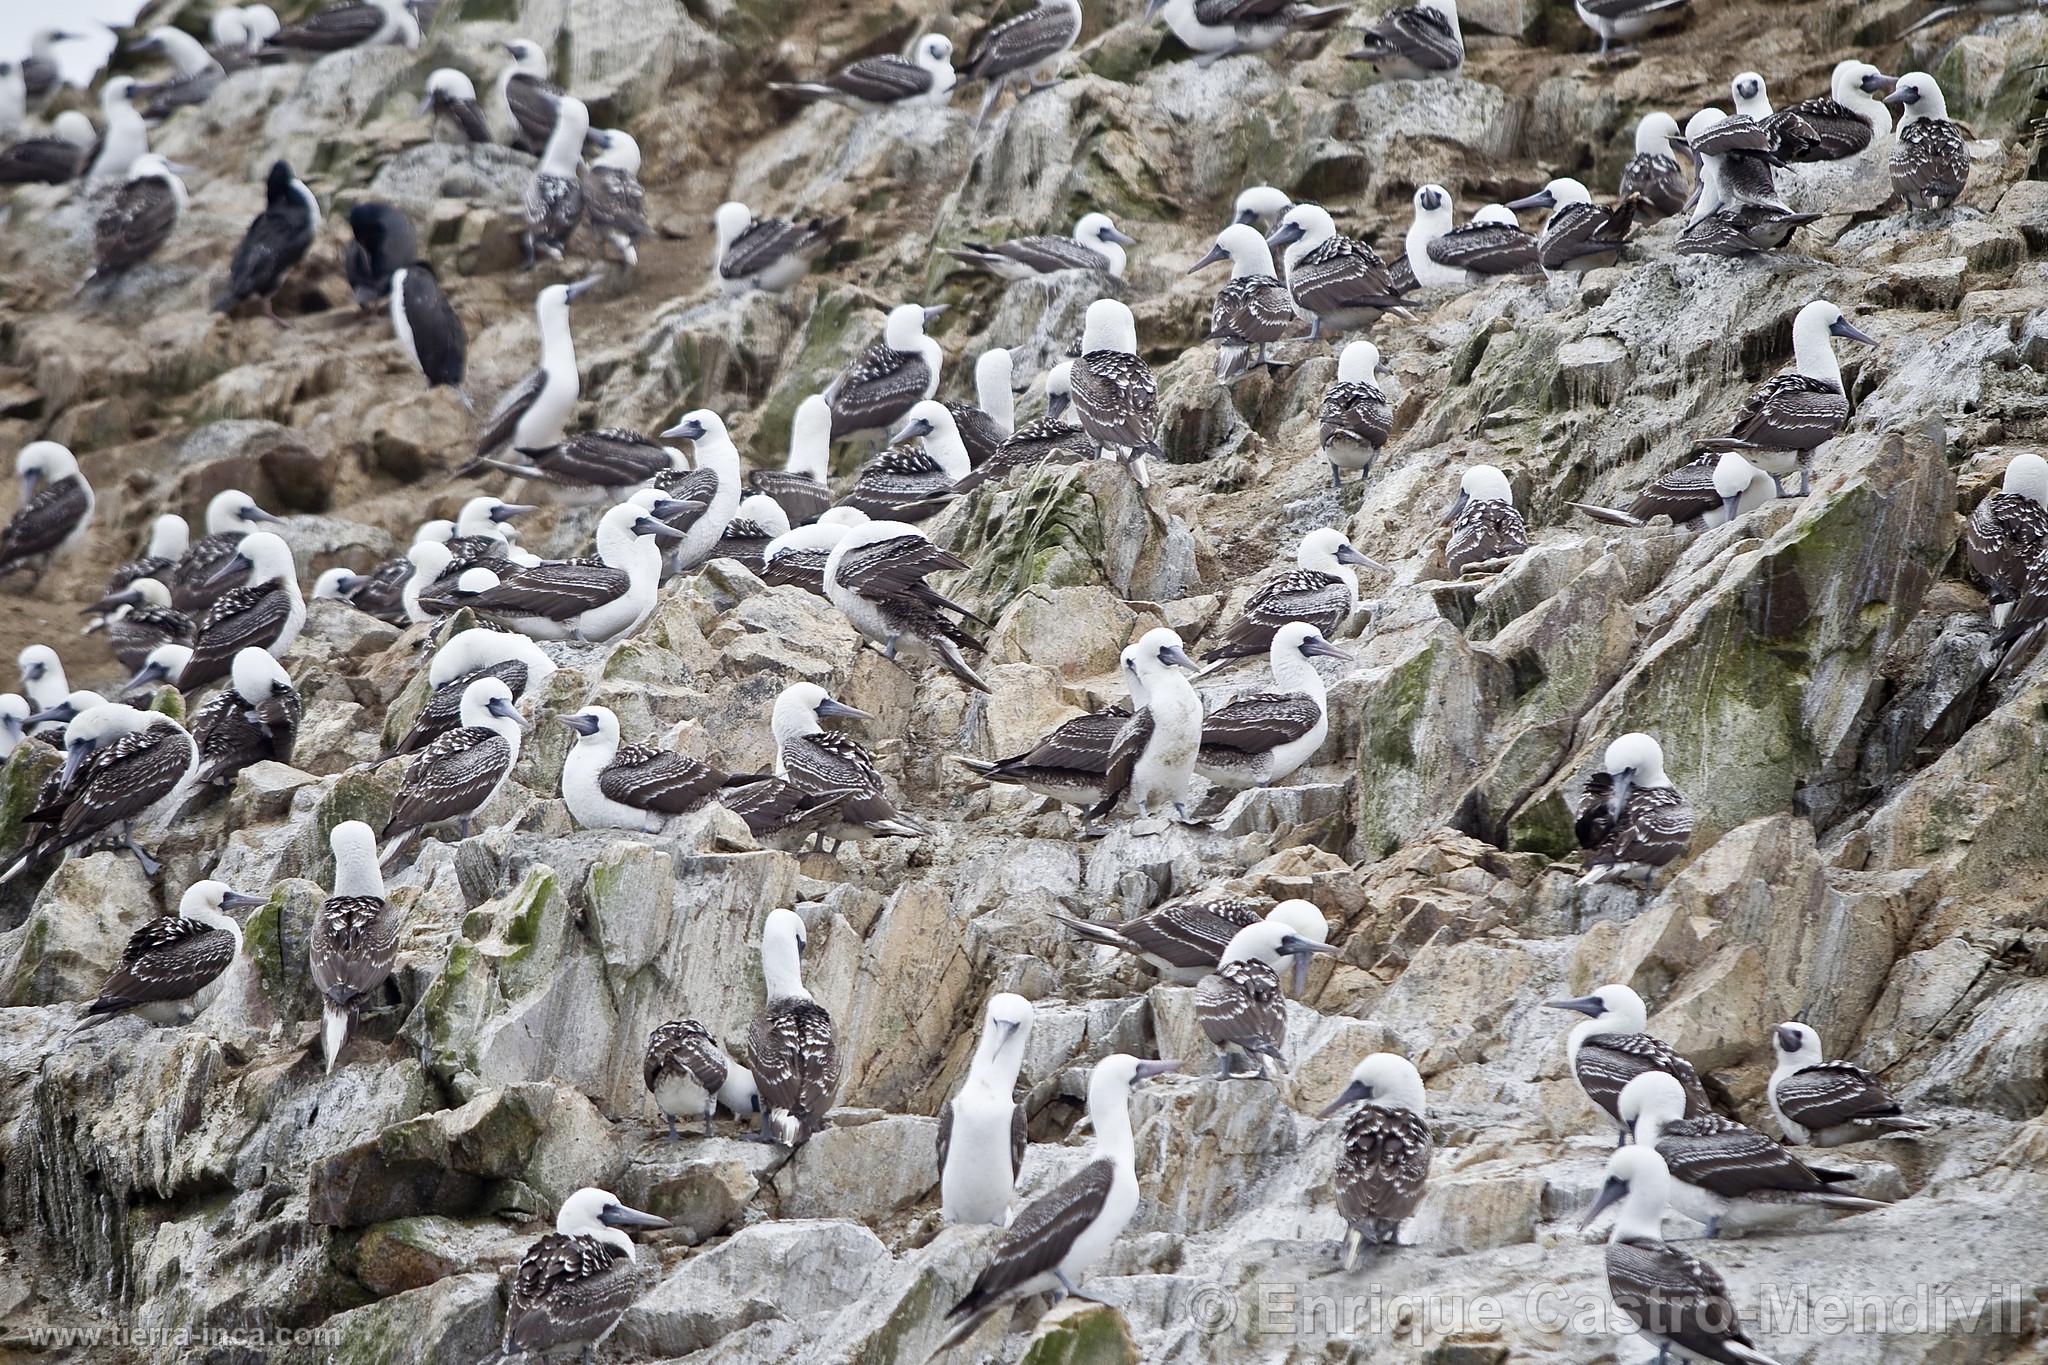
column 169, row 958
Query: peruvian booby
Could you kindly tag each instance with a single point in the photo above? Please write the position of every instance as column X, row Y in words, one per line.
column 767, row 253
column 1355, row 417
column 1653, row 175
column 451, row 96
column 383, row 244
column 1608, row 1049
column 797, row 559
column 1215, row 29
column 824, row 763
column 1485, row 527
column 1752, row 100
column 913, row 478
column 165, row 664
column 982, row 1127
column 369, row 23
column 1066, row 765
column 1929, row 163
column 610, row 459
column 1631, row 819
column 782, row 815
column 890, row 376
column 1447, row 257
column 169, row 538
column 1321, row 590
column 1834, row 126
column 139, row 219
column 1825, row 1103
column 1115, row 396
column 1184, row 941
column 1253, row 309
column 607, row 785
column 267, row 612
column 1152, row 763
column 1703, row 493
column 1055, row 1239
column 2008, row 531
column 52, row 159
column 254, row 719
column 1579, row 234
column 56, row 510
column 1339, row 282
column 198, row 74
column 174, row 966
column 139, row 618
column 428, row 331
column 596, row 598
column 355, row 937
column 196, row 580
column 44, row 683
column 1725, row 1174
column 461, row 660
column 277, row 240
column 14, row 714
column 796, row 1058
column 1259, row 204
column 457, row 775
column 1022, row 45
column 801, row 485
column 927, row 78
column 122, row 767
column 704, row 499
column 41, row 76
column 1095, row 244
column 554, row 194
column 124, row 137
column 755, row 525
column 987, row 422
column 1625, row 21
column 1734, row 209
column 1383, row 1154
column 1781, row 423
column 875, row 575
column 1054, row 438
column 690, row 1075
column 1261, row 738
column 574, row 1284
column 1673, row 1297
column 613, row 203
column 426, row 594
column 1415, row 42
column 1240, row 1005
column 524, row 98
column 531, row 414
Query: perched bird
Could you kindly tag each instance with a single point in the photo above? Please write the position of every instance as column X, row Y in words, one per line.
column 1579, row 235
column 1447, row 257
column 230, row 516
column 1261, row 738
column 1152, row 763
column 1054, row 438
column 554, row 196
column 1631, row 818
column 14, row 714
column 986, row 423
column 531, row 414
column 597, row 598
column 139, row 220
column 1240, row 1006
column 1339, row 282
column 276, row 241
column 1653, row 176
column 368, row 23
column 574, row 1284
column 613, row 203
column 755, row 524
column 1781, row 423
column 1115, row 397
column 1066, row 765
column 428, row 331
column 1828, row 1104
column 198, row 73
column 875, row 575
column 796, row 1057
column 254, row 719
column 889, row 377
column 1672, row 1297
column 451, row 96
column 1259, row 204
column 610, row 460
column 766, row 253
column 1929, row 162
column 1321, row 590
column 1834, row 126
column 1608, row 1049
column 384, row 243
column 267, row 612
column 1021, row 46
column 1184, row 941
column 462, row 659
column 702, row 501
column 982, row 1127
column 1094, row 245
column 1385, row 1150
column 457, row 775
column 174, row 966
column 1707, row 492
column 52, row 159
column 169, row 538
column 781, row 815
column 124, row 137
column 1254, row 309
column 822, row 763
column 1624, row 21
column 165, row 664
column 1735, row 209
column 56, row 510
column 40, row 73
column 607, row 785
column 926, row 78
column 44, row 683
column 2008, row 531
column 1415, row 42
column 914, row 477
column 1725, row 1174
column 1751, row 99
column 1485, row 527
column 802, row 486
column 797, row 559
column 355, row 937
column 1215, row 29
column 523, row 97
column 1058, row 1236
column 122, row 768
column 1355, row 417
column 690, row 1075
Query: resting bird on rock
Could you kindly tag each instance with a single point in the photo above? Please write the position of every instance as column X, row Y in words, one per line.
column 1930, row 164
column 1385, row 1153
column 574, row 1284
column 1631, row 818
column 1253, row 309
column 1781, row 423
column 1485, row 527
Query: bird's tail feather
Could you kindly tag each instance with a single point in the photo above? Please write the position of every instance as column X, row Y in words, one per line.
column 334, row 1022
column 1609, row 515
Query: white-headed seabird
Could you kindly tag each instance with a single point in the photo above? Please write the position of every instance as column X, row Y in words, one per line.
column 926, row 78
column 462, row 659
column 574, row 1284
column 1355, row 418
column 44, row 682
column 41, row 75
column 196, row 581
column 1673, row 1297
column 1608, row 1049
column 174, row 966
column 1322, row 590
column 532, row 414
column 1384, row 1152
column 1022, row 45
column 708, row 495
column 690, row 1075
column 1752, row 100
column 1929, row 162
column 797, row 559
column 796, row 1058
column 451, row 95
column 368, row 23
column 122, row 767
column 982, row 1127
column 1058, row 1236
column 164, row 664
column 1624, row 21
column 1095, row 244
column 987, row 422
column 267, row 612
column 1579, row 234
column 1115, row 396
column 1631, row 819
column 14, row 714
column 1240, row 1005
column 1443, row 256
column 53, row 158
column 613, row 203
column 1261, row 738
column 1339, row 282
column 1653, row 174
column 1153, row 760
column 1837, row 125
column 801, row 485
column 198, row 73
column 554, row 195
column 140, row 218
column 2008, row 531
column 124, row 137
column 383, row 243
column 1825, row 1103
column 1707, row 492
column 1259, row 204
column 889, row 377
column 1485, row 527
column 169, row 538
column 1215, row 29
column 254, row 719
column 1054, row 438
column 276, row 241
column 610, row 459
column 608, row 785
column 875, row 575
column 1415, row 42
column 914, row 477
column 1184, row 941
column 56, row 509
column 766, row 253
column 1725, row 1174
column 355, row 937
column 755, row 524
column 1735, row 209
column 524, row 97
column 1782, row 422
column 824, row 763
column 457, row 775
column 597, row 598
column 1066, row 765
column 428, row 331
column 1253, row 309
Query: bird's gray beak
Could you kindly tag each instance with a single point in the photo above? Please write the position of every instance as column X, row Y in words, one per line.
column 1845, row 328
column 1317, row 645
column 648, row 526
column 829, row 709
column 63, row 713
column 144, row 676
column 1006, row 1029
column 1120, row 238
column 512, row 48
column 931, row 314
column 505, row 511
column 1216, row 253
column 258, row 514
column 504, row 710
column 912, row 431
column 30, row 482
column 619, row 1216
column 668, row 507
column 1285, row 235
column 1147, row 1070
column 1588, row 1005
column 1056, row 403
column 427, row 104
column 1624, row 783
column 1905, row 94
column 1245, row 217
column 1730, row 504
column 571, row 291
column 1788, row 1038
column 128, row 598
column 1456, row 507
column 1877, row 81
column 232, row 565
column 1542, row 199
column 74, row 754
column 1177, row 657
column 1347, row 554
column 1612, row 1193
column 34, row 672
column 581, row 724
column 685, row 431
column 235, row 900
column 1355, row 1093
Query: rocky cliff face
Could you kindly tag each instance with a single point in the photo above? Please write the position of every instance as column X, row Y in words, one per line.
column 1870, row 855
